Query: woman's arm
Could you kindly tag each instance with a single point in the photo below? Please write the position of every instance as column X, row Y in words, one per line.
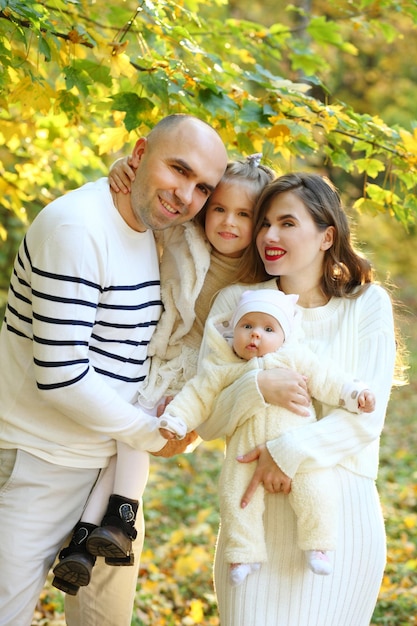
column 339, row 434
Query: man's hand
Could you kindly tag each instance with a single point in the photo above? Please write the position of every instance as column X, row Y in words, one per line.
column 267, row 473
column 176, row 446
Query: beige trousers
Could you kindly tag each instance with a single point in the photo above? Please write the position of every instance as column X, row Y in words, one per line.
column 39, row 504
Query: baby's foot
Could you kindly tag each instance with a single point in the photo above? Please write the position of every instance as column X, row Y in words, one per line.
column 319, row 562
column 239, row 571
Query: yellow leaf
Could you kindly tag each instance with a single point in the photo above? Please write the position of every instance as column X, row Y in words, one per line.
column 188, row 565
column 409, row 140
column 246, row 57
column 112, row 139
column 409, row 521
column 196, row 611
column 120, row 66
column 177, row 537
column 203, row 514
column 118, row 48
column 279, row 130
column 184, row 566
column 32, row 96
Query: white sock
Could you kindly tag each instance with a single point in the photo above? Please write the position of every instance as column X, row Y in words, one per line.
column 239, row 571
column 319, row 562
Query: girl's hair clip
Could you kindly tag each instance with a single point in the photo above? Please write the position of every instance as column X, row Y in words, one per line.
column 254, row 159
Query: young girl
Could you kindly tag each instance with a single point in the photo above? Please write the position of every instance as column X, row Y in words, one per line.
column 198, row 259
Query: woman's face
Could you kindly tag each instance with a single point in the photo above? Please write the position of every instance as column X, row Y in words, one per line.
column 289, row 242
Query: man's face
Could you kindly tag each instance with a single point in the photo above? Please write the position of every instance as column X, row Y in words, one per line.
column 177, row 170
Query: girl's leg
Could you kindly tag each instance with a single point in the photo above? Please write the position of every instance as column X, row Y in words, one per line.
column 75, row 562
column 132, row 472
column 99, row 497
column 113, row 539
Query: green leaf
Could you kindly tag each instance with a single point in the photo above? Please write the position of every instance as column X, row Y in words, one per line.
column 75, row 77
column 69, row 103
column 155, row 84
column 44, row 48
column 323, row 31
column 372, row 167
column 309, row 63
column 388, row 30
column 134, row 106
column 216, row 102
column 97, row 72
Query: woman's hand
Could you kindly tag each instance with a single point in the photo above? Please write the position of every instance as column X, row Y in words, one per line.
column 286, row 388
column 267, row 473
column 121, row 175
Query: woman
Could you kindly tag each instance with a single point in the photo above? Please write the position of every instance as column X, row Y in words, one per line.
column 302, row 239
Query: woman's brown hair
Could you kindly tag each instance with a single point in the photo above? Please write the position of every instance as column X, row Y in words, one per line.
column 345, row 271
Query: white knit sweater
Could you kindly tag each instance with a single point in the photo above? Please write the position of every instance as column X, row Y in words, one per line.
column 358, row 335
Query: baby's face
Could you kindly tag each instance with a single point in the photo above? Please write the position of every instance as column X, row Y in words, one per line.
column 257, row 334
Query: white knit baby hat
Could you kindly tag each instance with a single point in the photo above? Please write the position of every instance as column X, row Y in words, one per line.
column 271, row 301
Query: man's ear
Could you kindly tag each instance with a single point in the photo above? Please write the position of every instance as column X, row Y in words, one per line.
column 328, row 238
column 138, row 151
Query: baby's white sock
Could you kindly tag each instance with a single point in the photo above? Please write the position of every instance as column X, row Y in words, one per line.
column 239, row 571
column 319, row 562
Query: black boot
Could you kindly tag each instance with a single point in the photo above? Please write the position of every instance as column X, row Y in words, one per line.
column 75, row 562
column 113, row 539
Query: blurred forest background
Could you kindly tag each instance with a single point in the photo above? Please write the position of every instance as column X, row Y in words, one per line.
column 329, row 86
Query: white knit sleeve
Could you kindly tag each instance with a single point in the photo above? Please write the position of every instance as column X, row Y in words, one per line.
column 341, row 434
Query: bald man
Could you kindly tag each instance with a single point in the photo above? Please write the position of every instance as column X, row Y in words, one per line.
column 84, row 300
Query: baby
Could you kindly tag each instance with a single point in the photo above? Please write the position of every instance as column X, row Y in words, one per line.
column 266, row 334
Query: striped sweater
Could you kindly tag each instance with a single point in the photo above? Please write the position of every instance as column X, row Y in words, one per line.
column 83, row 302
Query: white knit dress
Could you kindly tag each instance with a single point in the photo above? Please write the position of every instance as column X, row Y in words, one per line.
column 359, row 335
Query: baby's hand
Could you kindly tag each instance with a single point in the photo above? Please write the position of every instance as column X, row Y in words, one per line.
column 176, row 446
column 173, row 425
column 167, row 434
column 121, row 175
column 366, row 401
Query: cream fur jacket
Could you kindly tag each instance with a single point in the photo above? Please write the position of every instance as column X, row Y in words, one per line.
column 184, row 264
column 313, row 496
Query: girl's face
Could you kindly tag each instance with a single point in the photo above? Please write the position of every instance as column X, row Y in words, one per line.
column 290, row 243
column 229, row 218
